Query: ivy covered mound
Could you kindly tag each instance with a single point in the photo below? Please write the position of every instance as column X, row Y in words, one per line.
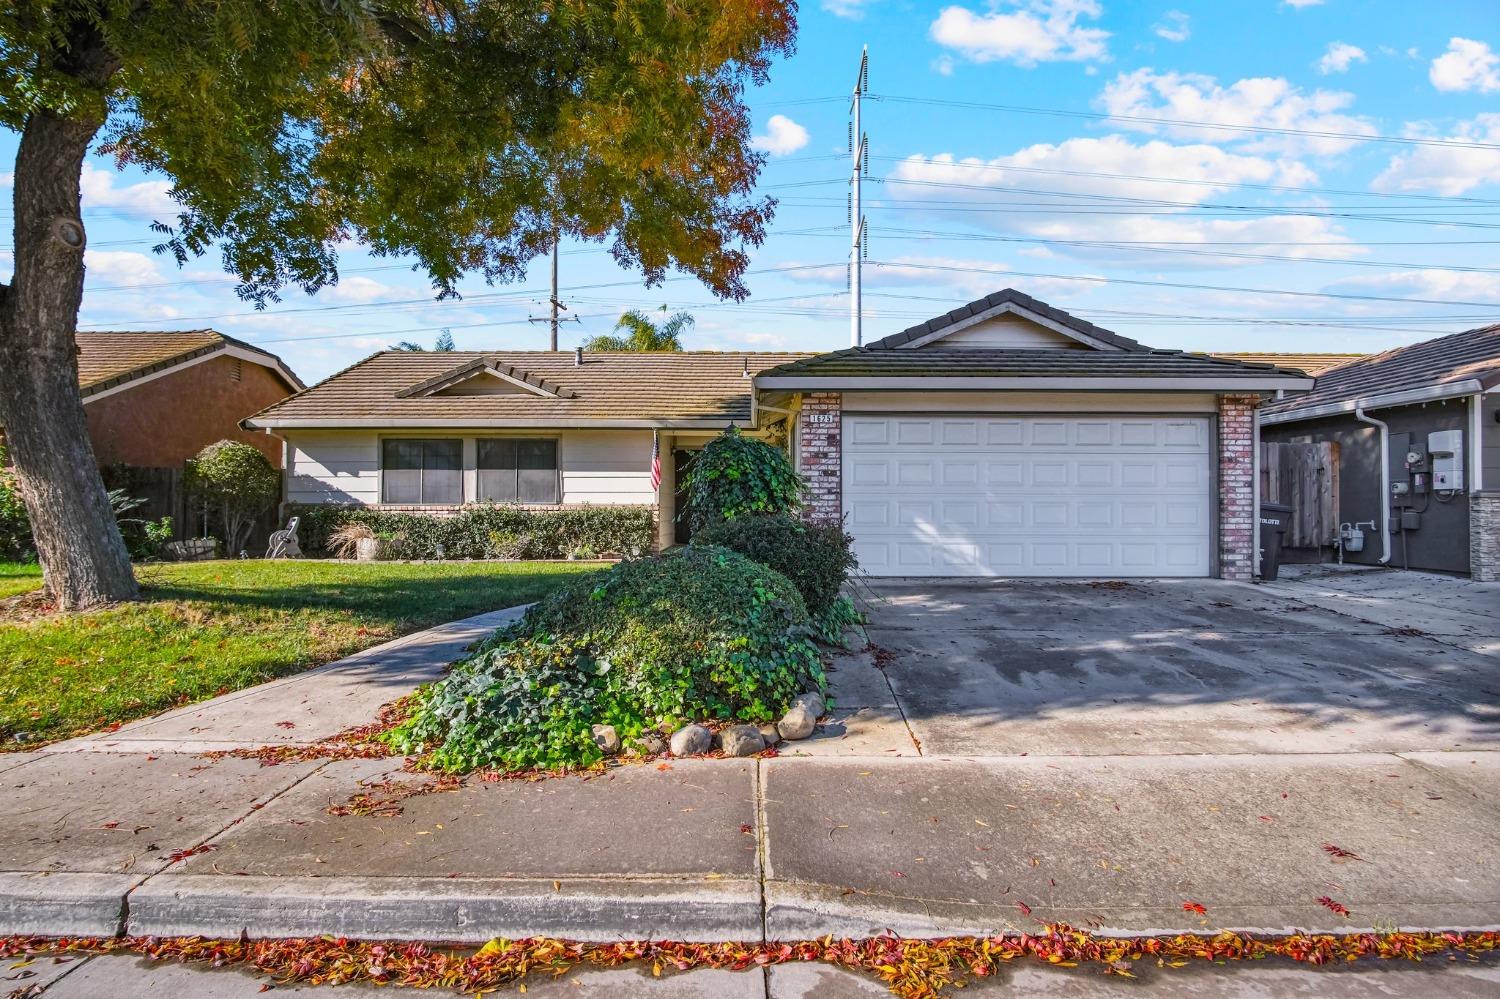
column 701, row 633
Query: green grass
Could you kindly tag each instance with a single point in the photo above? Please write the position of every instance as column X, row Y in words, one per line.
column 18, row 577
column 207, row 628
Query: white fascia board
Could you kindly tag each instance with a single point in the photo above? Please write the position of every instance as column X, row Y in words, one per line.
column 1385, row 400
column 815, row 383
column 380, row 423
column 1002, row 309
column 228, row 349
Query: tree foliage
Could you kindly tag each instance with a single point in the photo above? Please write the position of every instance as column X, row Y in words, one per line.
column 238, row 483
column 635, row 332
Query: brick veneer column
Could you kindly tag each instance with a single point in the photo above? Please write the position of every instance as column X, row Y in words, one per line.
column 1484, row 536
column 820, row 445
column 1236, row 486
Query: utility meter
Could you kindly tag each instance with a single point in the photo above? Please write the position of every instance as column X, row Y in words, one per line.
column 1447, row 450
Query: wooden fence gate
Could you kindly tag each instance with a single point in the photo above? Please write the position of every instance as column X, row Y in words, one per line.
column 1305, row 477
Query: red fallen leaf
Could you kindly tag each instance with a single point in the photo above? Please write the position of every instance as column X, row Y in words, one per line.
column 1268, row 818
column 1341, row 853
column 897, row 874
column 1333, row 906
column 664, row 766
column 1194, row 907
column 180, row 855
column 111, row 825
column 150, row 758
column 746, row 828
column 265, row 988
column 286, row 724
column 1025, row 909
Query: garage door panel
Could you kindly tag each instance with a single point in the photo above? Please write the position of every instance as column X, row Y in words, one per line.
column 1085, row 496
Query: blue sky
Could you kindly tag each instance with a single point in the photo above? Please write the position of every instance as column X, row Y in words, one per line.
column 1008, row 149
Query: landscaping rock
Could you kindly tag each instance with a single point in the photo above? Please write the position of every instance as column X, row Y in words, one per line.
column 812, row 701
column 649, row 743
column 607, row 739
column 742, row 740
column 769, row 735
column 797, row 723
column 691, row 740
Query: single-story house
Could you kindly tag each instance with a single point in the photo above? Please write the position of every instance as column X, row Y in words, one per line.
column 1418, row 430
column 1006, row 437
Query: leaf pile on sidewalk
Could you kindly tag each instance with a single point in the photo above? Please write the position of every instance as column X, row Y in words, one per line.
column 913, row 969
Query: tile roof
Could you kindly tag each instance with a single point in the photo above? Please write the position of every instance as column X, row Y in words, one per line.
column 107, row 358
column 1003, row 297
column 1473, row 355
column 630, row 389
column 867, row 362
column 1311, row 364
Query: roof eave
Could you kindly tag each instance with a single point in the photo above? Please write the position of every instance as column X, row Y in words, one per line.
column 1381, row 400
column 804, row 383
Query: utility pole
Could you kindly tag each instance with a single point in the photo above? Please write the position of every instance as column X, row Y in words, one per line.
column 859, row 146
column 556, row 303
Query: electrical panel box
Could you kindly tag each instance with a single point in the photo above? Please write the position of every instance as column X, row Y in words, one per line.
column 1446, row 448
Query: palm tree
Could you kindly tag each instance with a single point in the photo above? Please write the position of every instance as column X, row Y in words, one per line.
column 635, row 332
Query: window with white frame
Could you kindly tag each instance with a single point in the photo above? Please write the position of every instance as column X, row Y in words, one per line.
column 517, row 470
column 427, row 472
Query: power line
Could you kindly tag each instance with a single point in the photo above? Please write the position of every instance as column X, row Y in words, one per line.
column 1148, row 120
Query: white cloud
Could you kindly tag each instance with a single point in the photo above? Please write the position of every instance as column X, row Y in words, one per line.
column 1174, row 26
column 1339, row 57
column 151, row 198
column 1259, row 102
column 782, row 136
column 1440, row 284
column 943, row 65
column 1024, row 32
column 851, row 10
column 1447, row 169
column 113, row 268
column 357, row 289
column 981, row 189
column 1467, row 65
column 1299, row 4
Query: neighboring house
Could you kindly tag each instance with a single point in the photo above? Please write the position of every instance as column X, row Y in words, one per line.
column 155, row 399
column 1004, row 438
column 1419, row 450
column 1308, row 364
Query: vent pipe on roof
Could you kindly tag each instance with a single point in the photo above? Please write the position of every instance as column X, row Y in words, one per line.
column 577, row 357
column 745, row 373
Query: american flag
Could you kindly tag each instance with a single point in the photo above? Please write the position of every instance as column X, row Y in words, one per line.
column 655, row 460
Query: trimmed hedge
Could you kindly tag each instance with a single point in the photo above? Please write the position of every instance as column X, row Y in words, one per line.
column 487, row 531
column 817, row 559
column 698, row 633
column 738, row 476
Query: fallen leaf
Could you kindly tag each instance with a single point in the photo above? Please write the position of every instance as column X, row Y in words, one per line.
column 1191, row 906
column 1333, row 906
column 1340, row 853
column 1025, row 909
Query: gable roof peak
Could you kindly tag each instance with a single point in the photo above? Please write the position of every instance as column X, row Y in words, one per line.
column 997, row 303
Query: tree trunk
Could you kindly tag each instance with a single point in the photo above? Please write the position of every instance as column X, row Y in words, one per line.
column 84, row 560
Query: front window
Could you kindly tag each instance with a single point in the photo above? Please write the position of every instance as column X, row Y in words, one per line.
column 427, row 472
column 517, row 470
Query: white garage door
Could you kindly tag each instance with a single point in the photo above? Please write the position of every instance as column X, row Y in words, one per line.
column 1028, row 496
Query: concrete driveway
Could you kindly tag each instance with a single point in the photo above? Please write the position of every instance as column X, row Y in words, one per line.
column 1321, row 662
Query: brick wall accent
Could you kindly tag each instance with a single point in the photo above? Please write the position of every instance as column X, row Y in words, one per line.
column 1236, row 486
column 820, row 447
column 1484, row 537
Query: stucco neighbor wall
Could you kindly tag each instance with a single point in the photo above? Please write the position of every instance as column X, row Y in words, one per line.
column 162, row 422
column 604, row 467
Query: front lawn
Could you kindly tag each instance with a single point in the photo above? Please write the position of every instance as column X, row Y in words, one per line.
column 18, row 577
column 206, row 628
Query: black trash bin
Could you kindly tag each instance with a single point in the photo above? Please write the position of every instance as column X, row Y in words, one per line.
column 1275, row 518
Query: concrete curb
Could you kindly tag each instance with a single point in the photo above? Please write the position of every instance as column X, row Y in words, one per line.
column 64, row 903
column 448, row 910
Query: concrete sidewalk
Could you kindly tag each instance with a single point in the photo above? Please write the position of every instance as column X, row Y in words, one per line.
column 745, row 850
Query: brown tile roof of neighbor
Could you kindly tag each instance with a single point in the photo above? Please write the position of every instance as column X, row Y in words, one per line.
column 405, row 389
column 1312, row 364
column 108, row 358
column 1449, row 365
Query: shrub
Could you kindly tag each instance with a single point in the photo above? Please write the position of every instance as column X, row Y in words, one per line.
column 486, row 531
column 238, row 482
column 699, row 633
column 734, row 476
column 16, row 544
column 817, row 559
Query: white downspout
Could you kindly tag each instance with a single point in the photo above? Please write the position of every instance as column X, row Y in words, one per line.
column 1385, row 482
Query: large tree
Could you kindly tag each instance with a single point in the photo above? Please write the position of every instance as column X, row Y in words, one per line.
column 465, row 135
